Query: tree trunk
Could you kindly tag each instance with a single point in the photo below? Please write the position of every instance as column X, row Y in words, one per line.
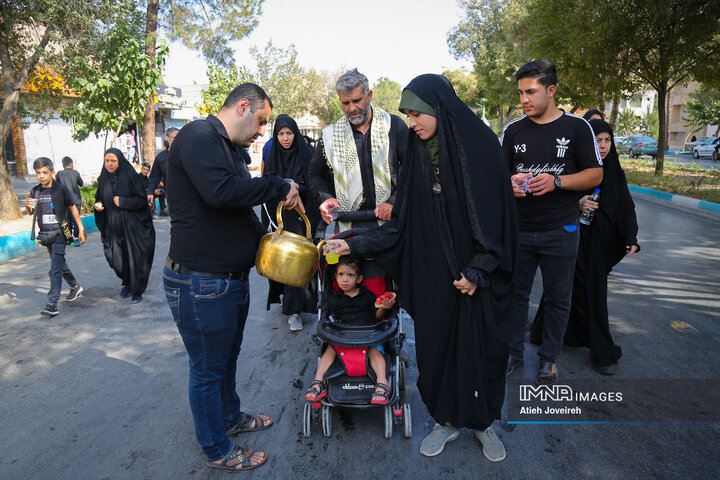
column 662, row 91
column 148, row 123
column 501, row 114
column 9, row 209
column 614, row 111
column 601, row 102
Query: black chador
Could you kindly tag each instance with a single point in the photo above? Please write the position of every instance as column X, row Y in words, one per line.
column 291, row 163
column 454, row 214
column 127, row 231
column 602, row 246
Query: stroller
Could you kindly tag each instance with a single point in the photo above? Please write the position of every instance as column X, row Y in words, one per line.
column 350, row 381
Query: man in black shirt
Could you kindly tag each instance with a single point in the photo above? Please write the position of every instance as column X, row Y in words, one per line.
column 356, row 163
column 72, row 180
column 156, row 187
column 552, row 155
column 214, row 237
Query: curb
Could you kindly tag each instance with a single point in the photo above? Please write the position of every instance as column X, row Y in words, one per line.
column 17, row 244
column 677, row 200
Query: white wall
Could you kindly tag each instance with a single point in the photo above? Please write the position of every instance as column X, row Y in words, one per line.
column 54, row 140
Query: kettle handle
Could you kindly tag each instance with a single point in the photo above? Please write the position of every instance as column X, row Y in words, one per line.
column 278, row 214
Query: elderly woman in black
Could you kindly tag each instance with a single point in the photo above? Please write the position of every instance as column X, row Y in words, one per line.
column 610, row 237
column 123, row 217
column 288, row 157
column 452, row 240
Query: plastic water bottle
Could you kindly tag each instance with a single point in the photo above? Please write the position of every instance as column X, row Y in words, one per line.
column 586, row 218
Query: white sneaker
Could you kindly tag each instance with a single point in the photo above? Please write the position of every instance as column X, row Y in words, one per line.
column 492, row 446
column 434, row 443
column 295, row 322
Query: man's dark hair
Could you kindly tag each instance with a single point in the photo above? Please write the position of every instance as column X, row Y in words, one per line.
column 542, row 69
column 254, row 93
column 352, row 262
column 171, row 130
column 67, row 161
column 43, row 162
column 145, row 164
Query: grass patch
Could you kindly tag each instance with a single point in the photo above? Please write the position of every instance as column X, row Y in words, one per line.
column 688, row 180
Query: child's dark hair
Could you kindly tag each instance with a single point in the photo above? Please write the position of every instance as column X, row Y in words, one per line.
column 352, row 262
column 67, row 161
column 542, row 69
column 43, row 162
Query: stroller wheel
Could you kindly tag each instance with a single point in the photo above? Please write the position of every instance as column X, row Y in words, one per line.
column 307, row 420
column 326, row 420
column 401, row 375
column 408, row 420
column 388, row 421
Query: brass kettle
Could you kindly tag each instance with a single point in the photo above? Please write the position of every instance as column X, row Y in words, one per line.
column 286, row 257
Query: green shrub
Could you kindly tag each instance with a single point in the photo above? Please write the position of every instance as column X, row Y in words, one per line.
column 88, row 198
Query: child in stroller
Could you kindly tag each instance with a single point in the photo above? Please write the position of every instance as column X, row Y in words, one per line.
column 363, row 352
column 354, row 304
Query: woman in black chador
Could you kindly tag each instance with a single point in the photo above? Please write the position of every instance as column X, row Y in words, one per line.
column 611, row 235
column 125, row 223
column 289, row 157
column 452, row 239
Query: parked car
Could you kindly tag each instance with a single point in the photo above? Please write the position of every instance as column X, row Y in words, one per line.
column 689, row 146
column 637, row 145
column 708, row 148
column 619, row 140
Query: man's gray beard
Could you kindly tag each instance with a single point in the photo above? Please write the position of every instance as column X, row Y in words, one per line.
column 362, row 119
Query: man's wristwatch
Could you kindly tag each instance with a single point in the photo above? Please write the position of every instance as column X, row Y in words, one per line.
column 558, row 181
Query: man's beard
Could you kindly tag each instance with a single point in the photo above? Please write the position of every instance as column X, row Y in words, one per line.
column 362, row 118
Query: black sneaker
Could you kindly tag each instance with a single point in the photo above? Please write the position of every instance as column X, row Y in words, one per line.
column 74, row 294
column 547, row 374
column 50, row 310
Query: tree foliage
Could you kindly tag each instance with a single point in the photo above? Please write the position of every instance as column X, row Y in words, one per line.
column 661, row 44
column 38, row 39
column 221, row 82
column 703, row 108
column 294, row 90
column 386, row 95
column 325, row 103
column 489, row 37
column 116, row 87
column 211, row 25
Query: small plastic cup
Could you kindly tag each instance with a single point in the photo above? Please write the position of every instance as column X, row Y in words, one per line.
column 331, row 257
column 333, row 211
column 522, row 182
column 33, row 202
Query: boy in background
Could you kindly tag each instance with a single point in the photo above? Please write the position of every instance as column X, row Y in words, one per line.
column 70, row 177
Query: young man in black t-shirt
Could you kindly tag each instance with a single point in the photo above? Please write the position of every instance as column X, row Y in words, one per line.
column 552, row 156
column 55, row 205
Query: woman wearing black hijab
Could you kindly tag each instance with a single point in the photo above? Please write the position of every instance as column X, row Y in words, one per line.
column 125, row 223
column 289, row 157
column 453, row 239
column 593, row 114
column 611, row 235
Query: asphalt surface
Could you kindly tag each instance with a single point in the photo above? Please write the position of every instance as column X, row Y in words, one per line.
column 100, row 392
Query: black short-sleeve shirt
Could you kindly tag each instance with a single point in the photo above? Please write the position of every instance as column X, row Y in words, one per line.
column 563, row 147
column 357, row 310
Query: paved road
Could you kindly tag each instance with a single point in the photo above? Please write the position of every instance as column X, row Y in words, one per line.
column 101, row 390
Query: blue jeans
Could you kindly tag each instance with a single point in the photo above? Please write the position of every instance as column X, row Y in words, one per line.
column 58, row 270
column 555, row 252
column 210, row 314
